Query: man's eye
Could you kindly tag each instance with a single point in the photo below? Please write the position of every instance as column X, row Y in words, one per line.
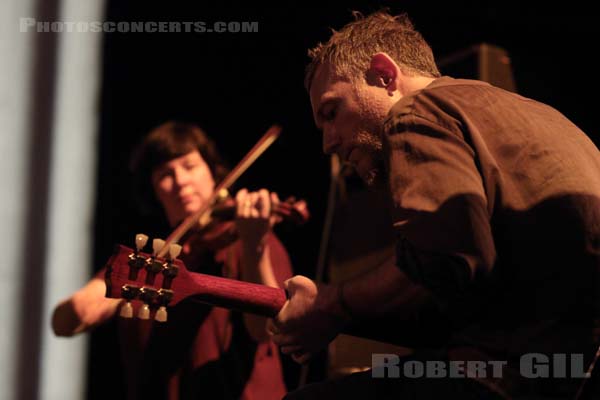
column 330, row 114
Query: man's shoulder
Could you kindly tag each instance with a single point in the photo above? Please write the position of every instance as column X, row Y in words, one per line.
column 429, row 102
column 438, row 90
column 449, row 83
column 446, row 98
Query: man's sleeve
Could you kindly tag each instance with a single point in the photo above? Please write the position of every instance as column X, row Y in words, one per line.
column 441, row 217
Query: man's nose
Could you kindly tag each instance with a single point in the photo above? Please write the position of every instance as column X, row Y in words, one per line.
column 331, row 141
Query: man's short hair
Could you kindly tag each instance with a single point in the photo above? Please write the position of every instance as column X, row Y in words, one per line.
column 349, row 50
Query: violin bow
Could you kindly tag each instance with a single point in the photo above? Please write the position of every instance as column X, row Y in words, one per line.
column 263, row 144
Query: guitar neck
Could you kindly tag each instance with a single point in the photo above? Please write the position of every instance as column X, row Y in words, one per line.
column 233, row 294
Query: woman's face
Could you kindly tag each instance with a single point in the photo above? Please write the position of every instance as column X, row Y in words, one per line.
column 183, row 185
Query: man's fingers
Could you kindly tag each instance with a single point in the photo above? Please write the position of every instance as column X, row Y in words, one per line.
column 302, row 358
column 292, row 349
column 283, row 339
column 272, row 327
column 299, row 283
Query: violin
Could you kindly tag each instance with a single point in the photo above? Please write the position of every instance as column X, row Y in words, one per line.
column 160, row 279
column 216, row 228
column 291, row 209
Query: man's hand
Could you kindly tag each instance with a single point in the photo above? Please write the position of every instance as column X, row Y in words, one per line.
column 309, row 320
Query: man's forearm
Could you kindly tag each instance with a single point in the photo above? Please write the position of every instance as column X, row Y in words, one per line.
column 383, row 304
column 381, row 292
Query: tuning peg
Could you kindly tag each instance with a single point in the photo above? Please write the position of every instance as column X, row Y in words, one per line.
column 140, row 241
column 161, row 314
column 174, row 251
column 144, row 312
column 157, row 245
column 126, row 310
column 128, row 292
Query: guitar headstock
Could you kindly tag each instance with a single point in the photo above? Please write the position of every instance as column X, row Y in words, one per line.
column 159, row 282
column 154, row 281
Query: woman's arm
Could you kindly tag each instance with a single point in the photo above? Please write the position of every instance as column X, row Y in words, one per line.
column 86, row 308
column 263, row 259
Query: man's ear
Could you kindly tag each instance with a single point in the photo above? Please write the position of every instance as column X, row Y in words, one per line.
column 383, row 72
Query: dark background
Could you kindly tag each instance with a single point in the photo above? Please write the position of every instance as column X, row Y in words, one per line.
column 235, row 85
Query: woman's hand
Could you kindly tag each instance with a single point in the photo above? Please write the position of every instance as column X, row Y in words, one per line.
column 253, row 216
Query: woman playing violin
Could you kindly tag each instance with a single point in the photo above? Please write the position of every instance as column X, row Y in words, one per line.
column 201, row 351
